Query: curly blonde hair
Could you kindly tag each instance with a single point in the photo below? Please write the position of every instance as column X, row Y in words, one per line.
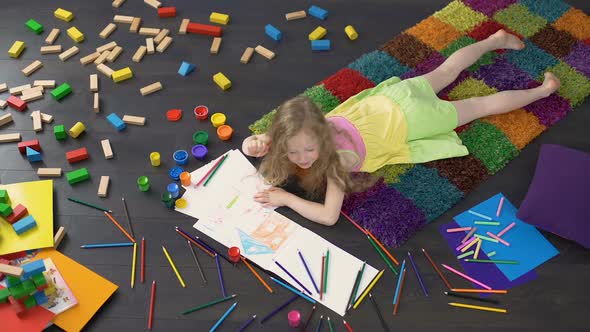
column 293, row 116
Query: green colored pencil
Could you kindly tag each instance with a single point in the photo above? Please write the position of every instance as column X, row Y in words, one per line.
column 486, row 238
column 490, row 261
column 489, row 223
column 215, row 170
column 358, row 284
column 327, row 264
column 208, row 304
column 490, row 255
column 330, row 325
column 382, row 255
column 471, row 252
column 89, row 205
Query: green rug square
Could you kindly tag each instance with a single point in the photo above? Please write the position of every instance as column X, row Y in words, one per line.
column 469, row 88
column 457, row 45
column 574, row 86
column 519, row 19
column 261, row 125
column 325, row 100
column 460, row 16
column 488, row 144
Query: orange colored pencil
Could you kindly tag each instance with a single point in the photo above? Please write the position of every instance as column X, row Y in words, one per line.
column 119, row 226
column 256, row 275
column 472, row 290
column 195, row 242
column 442, row 276
column 382, row 247
column 354, row 222
column 401, row 288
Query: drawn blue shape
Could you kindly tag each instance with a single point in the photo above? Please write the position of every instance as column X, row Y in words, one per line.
column 253, row 247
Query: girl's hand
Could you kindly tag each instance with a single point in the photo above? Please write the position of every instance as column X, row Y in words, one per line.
column 257, row 147
column 272, row 197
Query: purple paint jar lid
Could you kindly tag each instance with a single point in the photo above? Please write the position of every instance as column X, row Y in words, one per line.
column 199, row 151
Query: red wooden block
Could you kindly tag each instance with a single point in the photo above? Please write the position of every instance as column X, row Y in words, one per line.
column 167, row 12
column 204, row 29
column 16, row 103
column 77, row 155
column 43, row 287
column 17, row 214
column 33, row 144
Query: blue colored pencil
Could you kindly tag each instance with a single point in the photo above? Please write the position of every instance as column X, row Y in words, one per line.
column 292, row 276
column 279, row 308
column 308, row 271
column 320, row 324
column 247, row 323
column 399, row 282
column 479, row 215
column 417, row 273
column 294, row 290
column 233, row 306
column 106, row 245
column 220, row 275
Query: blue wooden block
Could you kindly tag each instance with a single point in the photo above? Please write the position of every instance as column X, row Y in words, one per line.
column 320, row 45
column 33, row 156
column 116, row 121
column 186, row 68
column 33, row 268
column 24, row 225
column 273, row 32
column 40, row 297
column 318, row 12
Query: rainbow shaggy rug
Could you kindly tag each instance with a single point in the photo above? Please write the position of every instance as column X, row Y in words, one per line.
column 557, row 39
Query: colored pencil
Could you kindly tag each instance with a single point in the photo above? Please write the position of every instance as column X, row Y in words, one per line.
column 347, row 326
column 106, row 245
column 479, row 215
column 127, row 215
column 292, row 276
column 133, row 265
column 215, row 252
column 491, row 261
column 354, row 223
column 477, row 248
column 354, row 285
column 382, row 255
column 471, row 252
column 470, row 244
column 182, row 233
column 223, row 317
column 119, row 227
column 483, row 291
column 326, row 271
column 256, row 275
column 215, row 170
column 464, row 276
column 383, row 324
column 468, row 236
column 206, row 305
column 142, row 260
column 493, row 236
column 463, row 245
column 190, row 247
column 482, row 237
column 330, row 325
column 294, row 290
column 209, row 171
column 319, row 327
column 152, row 300
column 487, row 223
column 399, row 299
column 491, row 254
column 279, row 308
column 247, row 323
column 461, row 229
column 477, row 307
column 469, row 297
column 442, row 277
column 502, row 232
column 220, row 276
column 500, row 207
column 322, row 277
column 308, row 271
column 308, row 319
column 368, row 289
column 399, row 282
column 382, row 247
column 357, row 286
column 89, row 205
column 417, row 274
column 173, row 267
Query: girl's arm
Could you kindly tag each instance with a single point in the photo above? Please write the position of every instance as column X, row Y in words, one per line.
column 256, row 145
column 326, row 213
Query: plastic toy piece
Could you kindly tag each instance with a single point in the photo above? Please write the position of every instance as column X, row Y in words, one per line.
column 33, row 156
column 16, row 49
column 219, row 18
column 51, row 49
column 75, row 34
column 89, row 58
column 186, row 68
column 77, row 129
column 204, row 29
column 17, row 214
column 215, row 45
column 33, row 144
column 6, row 118
column 103, row 187
column 149, row 89
column 60, row 132
column 222, row 81
column 247, row 55
column 34, row 26
column 122, row 75
column 163, row 33
column 16, row 103
column 174, row 115
column 116, row 121
column 77, row 155
column 320, row 45
column 164, row 12
column 139, row 54
column 162, row 46
column 78, row 175
column 134, row 27
column 9, row 138
column 94, row 82
column 49, row 172
column 106, row 149
column 24, row 225
column 319, row 33
column 61, row 91
column 134, row 120
column 70, row 52
column 153, row 3
column 265, row 52
column 351, row 32
column 296, row 15
column 63, row 15
column 33, row 67
column 52, row 36
column 5, row 210
column 273, row 32
column 15, row 271
column 318, row 12
column 107, row 31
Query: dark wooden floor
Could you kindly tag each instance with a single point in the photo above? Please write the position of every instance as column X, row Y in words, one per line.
column 557, row 299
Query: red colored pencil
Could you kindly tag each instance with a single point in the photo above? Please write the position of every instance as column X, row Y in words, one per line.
column 354, row 223
column 142, row 260
column 152, row 298
column 436, row 268
column 347, row 326
column 322, row 281
column 209, row 171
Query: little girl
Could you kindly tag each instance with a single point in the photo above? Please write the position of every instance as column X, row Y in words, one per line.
column 392, row 123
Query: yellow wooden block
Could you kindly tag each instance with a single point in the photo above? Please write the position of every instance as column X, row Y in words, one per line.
column 122, row 74
column 223, row 82
column 318, row 33
column 219, row 18
column 351, row 32
column 63, row 14
column 75, row 34
column 16, row 49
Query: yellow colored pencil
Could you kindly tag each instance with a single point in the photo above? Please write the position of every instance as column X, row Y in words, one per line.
column 478, row 307
column 174, row 267
column 464, row 249
column 477, row 248
column 133, row 265
column 368, row 289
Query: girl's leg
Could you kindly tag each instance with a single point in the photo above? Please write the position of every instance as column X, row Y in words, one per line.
column 448, row 71
column 504, row 101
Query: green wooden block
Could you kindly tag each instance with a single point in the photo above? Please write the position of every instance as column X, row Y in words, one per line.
column 61, row 91
column 4, row 294
column 18, row 291
column 78, row 175
column 29, row 302
column 12, row 281
column 60, row 132
column 3, row 196
column 39, row 280
column 29, row 286
column 5, row 210
column 34, row 26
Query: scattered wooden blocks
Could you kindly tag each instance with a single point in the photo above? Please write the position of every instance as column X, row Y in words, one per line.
column 104, row 69
column 116, row 4
column 149, row 44
column 17, row 90
column 32, row 90
column 102, row 58
column 16, row 103
column 351, row 32
column 61, row 91
column 3, row 87
column 77, row 129
column 123, row 19
column 33, row 156
column 45, row 118
column 139, row 54
column 3, row 104
column 32, row 96
column 115, row 52
column 106, row 149
column 96, row 103
column 103, row 187
column 61, row 232
column 5, row 209
column 116, row 121
column 51, row 49
column 273, row 32
column 52, row 36
column 70, row 52
column 77, row 176
column 6, row 118
column 44, row 83
column 183, row 25
column 24, row 225
column 163, row 33
column 37, row 124
column 222, row 81
column 165, row 12
column 134, row 27
column 318, row 33
column 33, row 144
column 318, row 12
column 153, row 3
column 9, row 138
column 219, row 18
column 19, row 212
column 215, row 45
column 203, row 29
column 106, row 47
column 75, row 34
column 134, row 120
column 63, row 14
column 16, row 49
column 49, row 172
column 164, row 44
column 186, row 68
column 94, row 82
column 149, row 89
column 149, row 31
column 14, row 271
column 77, row 155
column 265, row 52
column 34, row 26
column 89, row 58
column 296, row 15
column 122, row 75
column 106, row 32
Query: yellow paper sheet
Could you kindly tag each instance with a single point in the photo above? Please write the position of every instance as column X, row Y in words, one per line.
column 91, row 290
column 37, row 197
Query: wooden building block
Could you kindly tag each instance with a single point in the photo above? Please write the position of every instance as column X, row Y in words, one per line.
column 106, row 149
column 102, row 58
column 265, row 52
column 149, row 89
column 9, row 138
column 351, row 32
column 31, row 96
column 70, row 52
column 6, row 118
column 183, row 25
column 33, row 67
column 296, row 15
column 51, row 49
column 78, row 175
column 94, row 82
column 16, row 103
column 149, row 45
column 14, row 271
column 115, row 52
column 204, row 29
column 61, row 232
column 153, row 3
column 163, row 33
column 139, row 54
column 34, row 26
column 3, row 87
column 33, row 144
column 318, row 33
column 219, row 18
column 165, row 12
column 96, row 103
column 89, row 58
column 52, row 36
column 45, row 118
column 106, row 32
column 134, row 27
column 103, row 187
column 63, row 14
column 37, row 124
column 75, row 34
column 17, row 214
column 122, row 75
column 45, row 83
column 17, row 90
column 16, row 49
column 215, row 45
column 106, row 47
column 49, row 172
column 123, row 19
column 222, row 81
column 149, row 31
column 116, row 4
column 77, row 155
column 164, row 44
column 32, row 90
column 247, row 55
column 3, row 104
column 134, row 120
column 105, row 70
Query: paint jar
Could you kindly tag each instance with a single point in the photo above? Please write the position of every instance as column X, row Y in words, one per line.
column 294, row 317
column 143, row 182
column 234, row 254
column 155, row 158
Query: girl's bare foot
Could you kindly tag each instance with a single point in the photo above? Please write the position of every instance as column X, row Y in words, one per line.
column 506, row 40
column 551, row 83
